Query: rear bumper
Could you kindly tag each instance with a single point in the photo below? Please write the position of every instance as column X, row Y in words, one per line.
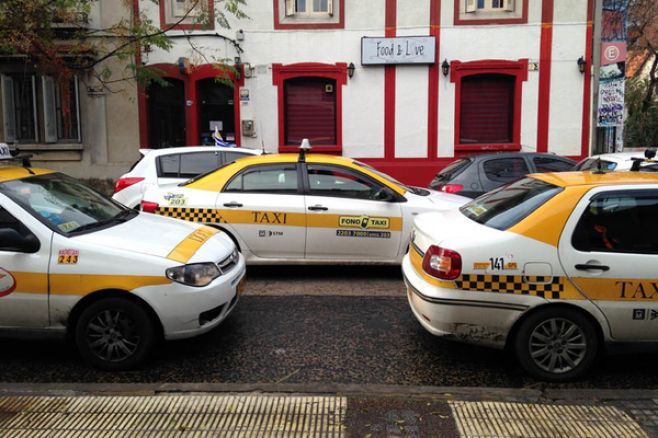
column 479, row 318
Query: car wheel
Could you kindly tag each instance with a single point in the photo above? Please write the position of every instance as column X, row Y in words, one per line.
column 114, row 334
column 556, row 344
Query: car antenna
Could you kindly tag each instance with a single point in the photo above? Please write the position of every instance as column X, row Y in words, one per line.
column 262, row 141
column 303, row 148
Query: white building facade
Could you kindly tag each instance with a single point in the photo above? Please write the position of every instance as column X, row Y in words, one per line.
column 504, row 75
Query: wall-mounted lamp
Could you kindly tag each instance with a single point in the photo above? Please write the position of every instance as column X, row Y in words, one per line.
column 445, row 67
column 239, row 35
column 581, row 64
column 238, row 67
column 350, row 70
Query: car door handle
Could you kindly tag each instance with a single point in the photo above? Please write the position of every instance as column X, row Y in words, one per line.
column 318, row 208
column 588, row 267
column 232, row 204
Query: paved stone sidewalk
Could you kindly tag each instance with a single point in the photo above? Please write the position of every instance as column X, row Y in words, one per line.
column 364, row 412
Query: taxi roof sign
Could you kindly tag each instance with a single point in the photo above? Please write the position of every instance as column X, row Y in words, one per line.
column 5, row 153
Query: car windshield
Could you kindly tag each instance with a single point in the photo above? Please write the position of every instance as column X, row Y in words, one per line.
column 506, row 206
column 64, row 204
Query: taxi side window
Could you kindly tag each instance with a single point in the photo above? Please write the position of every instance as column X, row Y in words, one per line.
column 273, row 179
column 9, row 221
column 620, row 223
column 338, row 182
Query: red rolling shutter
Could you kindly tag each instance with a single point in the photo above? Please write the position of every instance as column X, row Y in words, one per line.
column 310, row 111
column 487, row 109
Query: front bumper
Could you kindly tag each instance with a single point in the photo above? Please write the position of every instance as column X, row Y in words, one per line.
column 482, row 318
column 187, row 311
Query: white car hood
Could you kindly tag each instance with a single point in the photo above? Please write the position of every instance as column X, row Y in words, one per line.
column 158, row 236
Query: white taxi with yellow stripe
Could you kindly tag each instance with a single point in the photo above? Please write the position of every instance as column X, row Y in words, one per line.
column 73, row 261
column 313, row 208
column 554, row 266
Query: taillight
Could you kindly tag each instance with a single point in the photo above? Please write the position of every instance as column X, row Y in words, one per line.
column 122, row 183
column 451, row 188
column 149, row 207
column 442, row 263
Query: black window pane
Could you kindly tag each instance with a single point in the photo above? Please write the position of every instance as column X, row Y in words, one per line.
column 195, row 164
column 67, row 111
column 544, row 164
column 232, row 156
column 618, row 223
column 169, row 166
column 24, row 109
column 505, row 169
column 333, row 181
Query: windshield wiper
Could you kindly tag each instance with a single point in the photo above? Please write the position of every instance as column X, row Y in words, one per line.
column 121, row 217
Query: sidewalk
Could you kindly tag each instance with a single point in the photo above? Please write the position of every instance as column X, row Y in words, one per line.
column 331, row 411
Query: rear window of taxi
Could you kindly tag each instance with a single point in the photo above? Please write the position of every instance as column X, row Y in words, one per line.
column 508, row 205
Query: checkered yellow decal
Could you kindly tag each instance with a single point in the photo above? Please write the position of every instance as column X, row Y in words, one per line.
column 544, row 287
column 205, row 215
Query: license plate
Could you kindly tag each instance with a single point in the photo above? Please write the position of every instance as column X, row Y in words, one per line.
column 242, row 285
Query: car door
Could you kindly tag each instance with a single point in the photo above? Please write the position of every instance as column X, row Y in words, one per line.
column 23, row 273
column 345, row 218
column 499, row 171
column 609, row 250
column 264, row 205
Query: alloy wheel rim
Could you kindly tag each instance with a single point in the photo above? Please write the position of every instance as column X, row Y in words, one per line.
column 112, row 335
column 557, row 345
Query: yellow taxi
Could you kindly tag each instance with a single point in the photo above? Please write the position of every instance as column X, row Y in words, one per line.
column 308, row 208
column 556, row 266
column 73, row 261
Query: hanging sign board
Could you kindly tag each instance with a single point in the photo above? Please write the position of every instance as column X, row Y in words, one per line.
column 398, row 50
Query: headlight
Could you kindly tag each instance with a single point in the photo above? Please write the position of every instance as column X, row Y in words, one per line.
column 198, row 274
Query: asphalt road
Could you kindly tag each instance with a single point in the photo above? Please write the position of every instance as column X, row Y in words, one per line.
column 315, row 325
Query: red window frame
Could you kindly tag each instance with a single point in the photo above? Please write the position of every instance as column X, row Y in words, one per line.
column 209, row 25
column 190, row 79
column 278, row 25
column 523, row 19
column 517, row 69
column 337, row 72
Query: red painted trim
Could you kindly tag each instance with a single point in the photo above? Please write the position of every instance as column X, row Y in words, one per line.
column 518, row 69
column 475, row 22
column 433, row 86
column 337, row 72
column 389, row 84
column 587, row 83
column 192, row 111
column 209, row 25
column 545, row 54
column 309, row 26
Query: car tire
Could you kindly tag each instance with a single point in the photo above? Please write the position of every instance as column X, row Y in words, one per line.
column 556, row 344
column 115, row 334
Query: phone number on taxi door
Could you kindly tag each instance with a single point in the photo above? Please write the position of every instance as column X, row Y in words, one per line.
column 358, row 233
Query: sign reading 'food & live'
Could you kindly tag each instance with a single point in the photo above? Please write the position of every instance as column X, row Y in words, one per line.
column 398, row 50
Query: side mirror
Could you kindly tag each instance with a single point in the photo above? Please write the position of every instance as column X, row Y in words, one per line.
column 11, row 240
column 385, row 195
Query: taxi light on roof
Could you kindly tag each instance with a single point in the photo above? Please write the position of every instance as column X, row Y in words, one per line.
column 149, row 207
column 442, row 263
column 122, row 183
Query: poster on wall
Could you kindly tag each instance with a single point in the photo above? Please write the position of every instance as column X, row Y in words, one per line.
column 611, row 102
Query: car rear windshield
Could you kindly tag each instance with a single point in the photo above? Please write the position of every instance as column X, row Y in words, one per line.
column 508, row 205
column 593, row 164
column 453, row 169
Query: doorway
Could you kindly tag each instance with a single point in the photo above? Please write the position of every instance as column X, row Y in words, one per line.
column 166, row 114
column 216, row 108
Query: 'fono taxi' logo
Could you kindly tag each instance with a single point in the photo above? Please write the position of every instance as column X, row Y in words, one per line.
column 364, row 222
column 7, row 283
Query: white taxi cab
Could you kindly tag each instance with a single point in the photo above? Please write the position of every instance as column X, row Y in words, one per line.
column 313, row 208
column 73, row 261
column 554, row 266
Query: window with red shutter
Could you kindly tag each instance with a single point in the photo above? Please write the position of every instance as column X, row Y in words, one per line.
column 310, row 110
column 487, row 109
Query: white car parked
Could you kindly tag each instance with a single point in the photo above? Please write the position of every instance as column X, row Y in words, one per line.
column 159, row 167
column 618, row 161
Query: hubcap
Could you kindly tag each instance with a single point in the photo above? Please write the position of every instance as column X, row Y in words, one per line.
column 557, row 345
column 112, row 335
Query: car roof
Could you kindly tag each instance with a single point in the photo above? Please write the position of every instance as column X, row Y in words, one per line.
column 190, row 149
column 618, row 156
column 216, row 179
column 9, row 173
column 515, row 154
column 569, row 179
